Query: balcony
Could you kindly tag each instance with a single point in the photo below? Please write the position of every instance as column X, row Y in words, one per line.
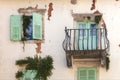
column 85, row 44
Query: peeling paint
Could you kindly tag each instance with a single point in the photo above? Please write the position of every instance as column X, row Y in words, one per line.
column 50, row 10
column 38, row 49
column 73, row 1
column 93, row 5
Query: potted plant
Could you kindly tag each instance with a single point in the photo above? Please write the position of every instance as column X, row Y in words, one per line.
column 35, row 68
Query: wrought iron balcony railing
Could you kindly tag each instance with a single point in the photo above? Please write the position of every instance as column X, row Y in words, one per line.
column 85, row 44
column 85, row 39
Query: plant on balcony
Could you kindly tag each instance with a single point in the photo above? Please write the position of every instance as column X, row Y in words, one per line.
column 107, row 62
column 98, row 18
column 42, row 67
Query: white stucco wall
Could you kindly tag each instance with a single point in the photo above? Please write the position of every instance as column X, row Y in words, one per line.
column 54, row 35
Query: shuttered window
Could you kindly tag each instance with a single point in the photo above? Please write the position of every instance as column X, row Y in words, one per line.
column 16, row 22
column 16, row 25
column 87, row 74
column 29, row 75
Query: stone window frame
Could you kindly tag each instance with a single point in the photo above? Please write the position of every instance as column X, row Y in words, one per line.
column 84, row 17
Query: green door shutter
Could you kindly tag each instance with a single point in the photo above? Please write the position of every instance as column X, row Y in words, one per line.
column 82, row 74
column 37, row 26
column 93, row 37
column 82, row 35
column 15, row 27
column 87, row 74
column 92, row 74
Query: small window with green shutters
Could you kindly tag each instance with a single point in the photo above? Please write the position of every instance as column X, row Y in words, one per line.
column 24, row 27
column 30, row 75
column 87, row 74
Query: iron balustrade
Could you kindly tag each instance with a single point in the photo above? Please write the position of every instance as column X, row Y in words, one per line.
column 85, row 39
column 86, row 44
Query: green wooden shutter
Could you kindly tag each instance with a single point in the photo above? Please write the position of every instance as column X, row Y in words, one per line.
column 82, row 74
column 92, row 74
column 15, row 27
column 87, row 74
column 29, row 74
column 37, row 26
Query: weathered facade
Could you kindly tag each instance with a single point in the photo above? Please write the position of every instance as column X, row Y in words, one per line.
column 74, row 48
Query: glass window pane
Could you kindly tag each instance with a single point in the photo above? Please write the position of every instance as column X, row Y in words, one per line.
column 93, row 29
column 82, row 29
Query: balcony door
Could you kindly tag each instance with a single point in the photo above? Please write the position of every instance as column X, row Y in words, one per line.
column 87, row 36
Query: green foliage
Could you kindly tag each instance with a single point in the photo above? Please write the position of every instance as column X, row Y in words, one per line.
column 43, row 66
column 98, row 18
column 107, row 62
column 21, row 62
column 19, row 74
